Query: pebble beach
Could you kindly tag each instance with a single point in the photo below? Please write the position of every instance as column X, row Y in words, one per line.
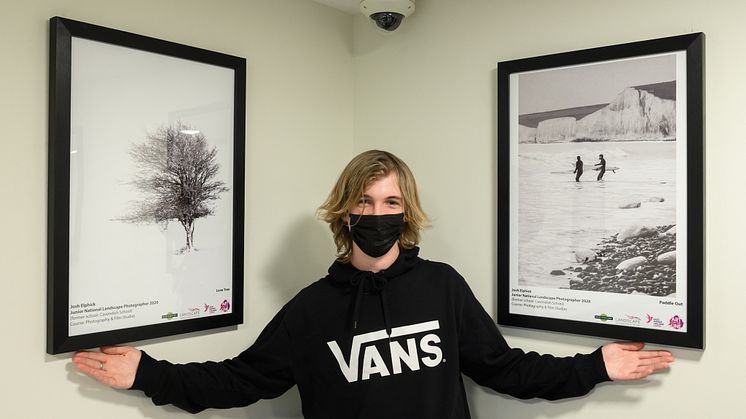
column 638, row 260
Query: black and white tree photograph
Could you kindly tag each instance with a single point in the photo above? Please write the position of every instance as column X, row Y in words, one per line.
column 152, row 159
column 178, row 178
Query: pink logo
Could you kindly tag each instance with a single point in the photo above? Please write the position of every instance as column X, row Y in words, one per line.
column 676, row 322
column 207, row 307
column 649, row 318
column 225, row 306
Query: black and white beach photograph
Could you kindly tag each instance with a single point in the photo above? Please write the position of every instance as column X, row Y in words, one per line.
column 597, row 177
column 600, row 191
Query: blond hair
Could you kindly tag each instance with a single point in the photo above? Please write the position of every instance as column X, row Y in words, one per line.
column 361, row 171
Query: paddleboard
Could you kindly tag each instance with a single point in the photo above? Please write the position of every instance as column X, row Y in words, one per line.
column 612, row 169
column 570, row 172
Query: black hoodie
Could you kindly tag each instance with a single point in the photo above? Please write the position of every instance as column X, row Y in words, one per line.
column 391, row 344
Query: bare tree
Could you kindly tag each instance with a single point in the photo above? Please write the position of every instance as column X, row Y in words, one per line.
column 177, row 176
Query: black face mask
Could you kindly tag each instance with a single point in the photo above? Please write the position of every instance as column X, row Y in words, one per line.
column 376, row 234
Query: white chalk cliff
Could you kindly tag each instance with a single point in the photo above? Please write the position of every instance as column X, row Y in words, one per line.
column 526, row 134
column 634, row 115
column 556, row 130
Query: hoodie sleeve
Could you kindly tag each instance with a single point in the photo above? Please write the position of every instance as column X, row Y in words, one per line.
column 263, row 371
column 487, row 359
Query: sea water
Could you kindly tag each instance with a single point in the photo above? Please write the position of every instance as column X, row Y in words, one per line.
column 558, row 216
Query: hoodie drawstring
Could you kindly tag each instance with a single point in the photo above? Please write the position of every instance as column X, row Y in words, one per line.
column 385, row 307
column 377, row 282
column 357, row 281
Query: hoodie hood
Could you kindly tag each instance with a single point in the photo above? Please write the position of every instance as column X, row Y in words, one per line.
column 344, row 275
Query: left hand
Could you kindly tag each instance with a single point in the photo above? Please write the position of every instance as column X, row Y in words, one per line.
column 627, row 361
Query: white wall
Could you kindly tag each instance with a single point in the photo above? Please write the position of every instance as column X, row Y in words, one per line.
column 428, row 94
column 299, row 130
column 317, row 94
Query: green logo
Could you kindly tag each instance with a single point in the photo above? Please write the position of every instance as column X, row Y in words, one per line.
column 169, row 315
column 603, row 317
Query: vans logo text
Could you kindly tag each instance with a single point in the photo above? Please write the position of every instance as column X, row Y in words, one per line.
column 373, row 362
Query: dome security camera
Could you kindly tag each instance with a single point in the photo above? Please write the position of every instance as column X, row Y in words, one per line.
column 388, row 14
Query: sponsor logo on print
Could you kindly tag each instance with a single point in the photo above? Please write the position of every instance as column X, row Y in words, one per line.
column 676, row 322
column 629, row 320
column 169, row 316
column 603, row 317
column 653, row 321
column 191, row 312
column 225, row 306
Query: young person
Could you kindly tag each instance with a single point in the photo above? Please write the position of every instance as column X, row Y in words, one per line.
column 386, row 334
column 578, row 169
column 601, row 167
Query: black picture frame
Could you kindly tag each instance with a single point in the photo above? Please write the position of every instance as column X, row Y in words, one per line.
column 77, row 92
column 536, row 201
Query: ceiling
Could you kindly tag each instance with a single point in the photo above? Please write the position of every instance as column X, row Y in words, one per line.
column 351, row 7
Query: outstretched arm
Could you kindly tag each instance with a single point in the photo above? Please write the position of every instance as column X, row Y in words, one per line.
column 627, row 361
column 262, row 371
column 489, row 361
column 114, row 366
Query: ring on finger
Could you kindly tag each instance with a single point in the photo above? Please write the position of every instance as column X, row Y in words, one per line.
column 100, row 365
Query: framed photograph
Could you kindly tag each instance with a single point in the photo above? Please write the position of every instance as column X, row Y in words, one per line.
column 600, row 191
column 146, row 187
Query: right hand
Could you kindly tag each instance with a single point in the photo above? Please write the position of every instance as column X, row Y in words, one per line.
column 114, row 366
